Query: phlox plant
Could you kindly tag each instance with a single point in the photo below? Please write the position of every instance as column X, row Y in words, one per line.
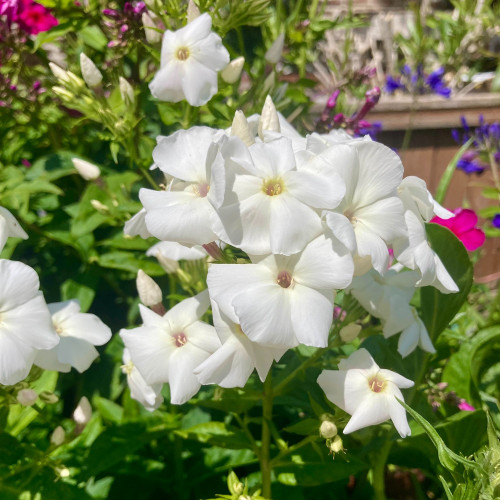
column 275, row 315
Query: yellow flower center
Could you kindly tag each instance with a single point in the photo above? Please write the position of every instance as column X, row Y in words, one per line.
column 377, row 383
column 182, row 53
column 273, row 187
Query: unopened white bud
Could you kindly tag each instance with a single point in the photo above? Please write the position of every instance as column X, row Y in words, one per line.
column 100, row 207
column 241, row 129
column 27, row 397
column 149, row 291
column 58, row 436
column 64, row 472
column 150, row 29
column 336, row 445
column 64, row 93
column 328, row 429
column 59, row 73
column 231, row 73
column 269, row 118
column 90, row 73
column 273, row 55
column 350, row 332
column 170, row 266
column 87, row 170
column 127, row 92
column 192, row 11
column 83, row 412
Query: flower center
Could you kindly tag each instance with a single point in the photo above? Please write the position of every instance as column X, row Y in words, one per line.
column 201, row 189
column 128, row 368
column 182, row 53
column 284, row 279
column 377, row 383
column 273, row 187
column 350, row 215
column 180, row 339
column 59, row 330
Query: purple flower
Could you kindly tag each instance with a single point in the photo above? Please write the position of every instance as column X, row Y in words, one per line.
column 496, row 221
column 392, row 84
column 464, row 406
column 435, row 82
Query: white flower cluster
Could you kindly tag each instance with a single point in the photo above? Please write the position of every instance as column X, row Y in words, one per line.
column 314, row 215
column 55, row 336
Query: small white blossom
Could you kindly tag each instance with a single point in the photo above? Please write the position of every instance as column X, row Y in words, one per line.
column 190, row 60
column 87, row 170
column 231, row 73
column 83, row 412
column 149, row 291
column 273, row 54
column 9, row 227
column 90, row 73
column 367, row 392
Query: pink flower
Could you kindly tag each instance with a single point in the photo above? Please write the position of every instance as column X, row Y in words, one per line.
column 464, row 406
column 463, row 225
column 35, row 18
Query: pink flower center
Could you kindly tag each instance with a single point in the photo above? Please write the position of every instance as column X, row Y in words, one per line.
column 201, row 189
column 180, row 339
column 273, row 187
column 284, row 279
column 376, row 383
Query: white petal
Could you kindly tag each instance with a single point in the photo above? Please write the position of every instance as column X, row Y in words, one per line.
column 203, row 336
column 373, row 411
column 333, row 383
column 408, row 339
column 76, row 352
column 210, row 52
column 19, row 284
column 16, row 359
column 342, row 229
column 167, row 83
column 397, row 379
column 312, row 315
column 199, row 83
column 136, row 226
column 370, row 244
column 188, row 311
column 398, row 414
column 47, row 359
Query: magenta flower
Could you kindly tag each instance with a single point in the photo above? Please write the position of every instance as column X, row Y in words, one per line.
column 35, row 18
column 463, row 225
column 464, row 406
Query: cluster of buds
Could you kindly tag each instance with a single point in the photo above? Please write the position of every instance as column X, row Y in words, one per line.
column 124, row 25
column 355, row 125
column 328, row 431
column 437, row 395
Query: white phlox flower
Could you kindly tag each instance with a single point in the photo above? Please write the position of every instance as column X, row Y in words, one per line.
column 148, row 395
column 190, row 60
column 9, row 227
column 270, row 203
column 25, row 324
column 367, row 392
column 284, row 300
column 184, row 213
column 415, row 253
column 413, row 250
column 79, row 333
column 233, row 363
column 166, row 349
column 388, row 297
column 371, row 172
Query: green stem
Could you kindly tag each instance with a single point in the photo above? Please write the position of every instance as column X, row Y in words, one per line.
column 292, row 449
column 265, row 451
column 378, row 471
column 409, row 130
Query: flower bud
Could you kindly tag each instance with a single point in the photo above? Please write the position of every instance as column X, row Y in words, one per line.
column 100, row 207
column 273, row 55
column 241, row 129
column 59, row 73
column 27, row 397
column 127, row 92
column 87, row 170
column 350, row 332
column 149, row 292
column 269, row 118
column 336, row 444
column 328, row 429
column 231, row 73
column 83, row 412
column 192, row 11
column 58, row 436
column 48, row 397
column 153, row 36
column 90, row 73
column 64, row 93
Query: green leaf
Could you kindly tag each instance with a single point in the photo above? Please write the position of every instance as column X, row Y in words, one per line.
column 216, row 434
column 94, row 37
column 438, row 309
column 108, row 409
column 84, row 294
column 448, row 173
column 304, row 427
column 127, row 261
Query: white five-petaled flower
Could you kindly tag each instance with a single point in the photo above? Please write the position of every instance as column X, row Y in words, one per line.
column 190, row 60
column 166, row 349
column 25, row 324
column 367, row 392
column 79, row 333
column 184, row 213
column 235, row 360
column 284, row 300
column 9, row 227
column 266, row 202
column 371, row 215
column 148, row 395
